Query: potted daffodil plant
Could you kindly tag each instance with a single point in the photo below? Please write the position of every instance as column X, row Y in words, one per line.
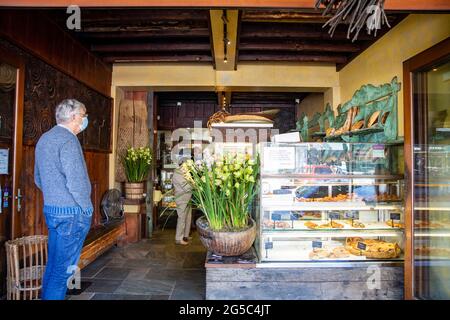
column 224, row 190
column 137, row 164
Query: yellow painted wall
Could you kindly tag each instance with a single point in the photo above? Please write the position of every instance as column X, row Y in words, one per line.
column 384, row 59
column 174, row 76
column 248, row 76
column 312, row 104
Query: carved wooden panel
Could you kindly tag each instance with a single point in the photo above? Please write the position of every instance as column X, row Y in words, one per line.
column 7, row 103
column 45, row 88
column 132, row 129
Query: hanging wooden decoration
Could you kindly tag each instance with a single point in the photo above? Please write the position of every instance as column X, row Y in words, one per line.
column 354, row 13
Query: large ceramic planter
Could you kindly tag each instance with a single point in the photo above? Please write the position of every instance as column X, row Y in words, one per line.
column 134, row 190
column 226, row 243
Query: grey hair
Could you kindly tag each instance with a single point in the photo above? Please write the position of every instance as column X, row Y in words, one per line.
column 67, row 109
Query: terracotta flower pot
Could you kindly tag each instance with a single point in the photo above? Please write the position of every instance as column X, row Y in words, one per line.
column 226, row 243
column 134, row 190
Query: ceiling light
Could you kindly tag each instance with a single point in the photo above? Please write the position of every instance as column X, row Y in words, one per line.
column 225, row 60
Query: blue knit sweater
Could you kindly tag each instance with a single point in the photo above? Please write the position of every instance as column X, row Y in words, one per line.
column 60, row 172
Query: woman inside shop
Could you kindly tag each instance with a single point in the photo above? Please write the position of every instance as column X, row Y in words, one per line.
column 183, row 193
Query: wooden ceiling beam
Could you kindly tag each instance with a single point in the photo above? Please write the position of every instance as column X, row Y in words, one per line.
column 283, row 16
column 293, row 31
column 133, row 15
column 416, row 5
column 147, row 26
column 150, row 47
column 224, row 54
column 299, row 46
column 291, row 57
column 194, row 33
column 158, row 58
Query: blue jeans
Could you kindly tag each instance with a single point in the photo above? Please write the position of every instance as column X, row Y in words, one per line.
column 66, row 235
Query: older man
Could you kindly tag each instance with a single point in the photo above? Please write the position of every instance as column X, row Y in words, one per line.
column 60, row 172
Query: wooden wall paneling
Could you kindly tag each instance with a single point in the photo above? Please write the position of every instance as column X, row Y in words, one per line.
column 284, row 121
column 36, row 33
column 28, row 192
column 172, row 117
column 45, row 87
column 98, row 170
column 166, row 118
column 32, row 218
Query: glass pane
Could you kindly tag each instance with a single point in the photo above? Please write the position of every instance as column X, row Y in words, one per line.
column 432, row 182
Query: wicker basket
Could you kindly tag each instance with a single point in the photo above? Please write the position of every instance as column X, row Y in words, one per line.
column 226, row 243
column 26, row 261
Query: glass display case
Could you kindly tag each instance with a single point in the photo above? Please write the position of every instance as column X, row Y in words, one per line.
column 330, row 202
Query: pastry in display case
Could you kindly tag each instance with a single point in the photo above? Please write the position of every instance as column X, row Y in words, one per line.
column 349, row 210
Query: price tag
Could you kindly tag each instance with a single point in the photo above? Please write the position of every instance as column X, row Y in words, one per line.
column 268, row 245
column 352, row 215
column 362, row 246
column 317, row 244
column 276, row 216
column 334, row 215
column 295, row 216
column 395, row 216
column 378, row 151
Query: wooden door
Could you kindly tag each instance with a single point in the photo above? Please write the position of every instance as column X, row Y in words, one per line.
column 11, row 119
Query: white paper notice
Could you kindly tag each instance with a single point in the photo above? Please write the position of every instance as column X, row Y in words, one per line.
column 4, row 161
column 279, row 158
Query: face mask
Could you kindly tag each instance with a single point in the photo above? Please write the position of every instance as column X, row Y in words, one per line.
column 84, row 124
